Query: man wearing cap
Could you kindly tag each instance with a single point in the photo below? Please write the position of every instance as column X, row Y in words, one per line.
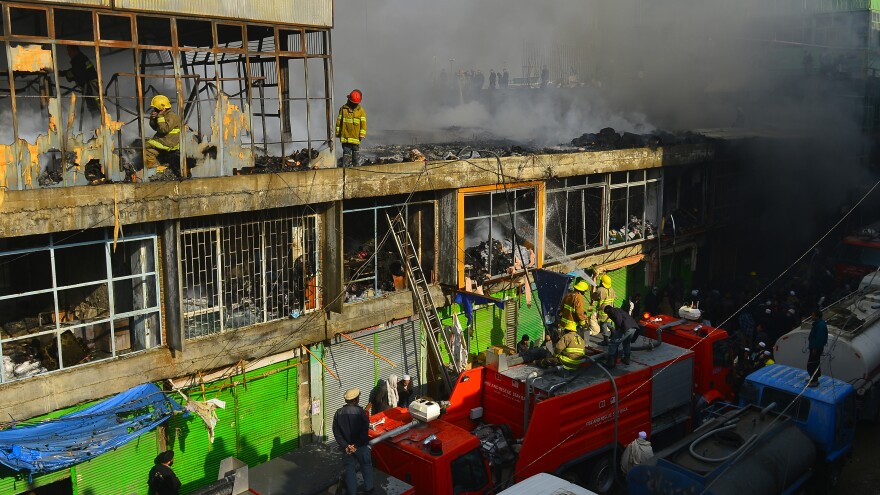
column 350, row 427
column 351, row 128
column 404, row 391
column 162, row 480
column 637, row 452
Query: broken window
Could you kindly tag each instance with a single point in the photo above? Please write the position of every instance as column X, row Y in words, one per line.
column 74, row 25
column 574, row 213
column 36, row 106
column 81, row 111
column 683, row 199
column 499, row 233
column 123, row 105
column 66, row 303
column 28, row 22
column 9, row 173
column 247, row 269
column 371, row 262
column 629, row 219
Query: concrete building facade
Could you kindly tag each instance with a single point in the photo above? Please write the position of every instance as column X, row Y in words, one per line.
column 261, row 274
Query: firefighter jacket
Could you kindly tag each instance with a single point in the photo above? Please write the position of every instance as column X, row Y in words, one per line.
column 351, row 124
column 570, row 350
column 167, row 127
column 603, row 297
column 81, row 71
column 573, row 309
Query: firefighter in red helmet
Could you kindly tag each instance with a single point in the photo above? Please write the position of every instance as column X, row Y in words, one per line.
column 351, row 128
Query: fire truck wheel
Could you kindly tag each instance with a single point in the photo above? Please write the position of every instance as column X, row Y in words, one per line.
column 600, row 474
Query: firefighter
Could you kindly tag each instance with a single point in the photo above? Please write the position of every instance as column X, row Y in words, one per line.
column 351, row 128
column 569, row 350
column 572, row 308
column 166, row 123
column 83, row 74
column 604, row 296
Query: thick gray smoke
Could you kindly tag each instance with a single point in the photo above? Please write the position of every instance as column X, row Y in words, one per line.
column 636, row 65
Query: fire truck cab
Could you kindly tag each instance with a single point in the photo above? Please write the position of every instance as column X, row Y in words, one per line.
column 507, row 421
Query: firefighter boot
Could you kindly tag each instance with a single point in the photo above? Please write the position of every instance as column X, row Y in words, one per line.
column 610, row 361
column 625, row 359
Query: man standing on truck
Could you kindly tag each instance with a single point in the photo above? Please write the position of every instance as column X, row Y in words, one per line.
column 350, row 427
column 573, row 306
column 625, row 326
column 604, row 296
column 816, row 344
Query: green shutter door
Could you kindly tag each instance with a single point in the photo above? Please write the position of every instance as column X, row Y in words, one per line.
column 13, row 483
column 196, row 461
column 635, row 279
column 119, row 472
column 268, row 414
column 618, row 283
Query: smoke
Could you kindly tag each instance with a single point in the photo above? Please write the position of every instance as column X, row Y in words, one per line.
column 634, row 65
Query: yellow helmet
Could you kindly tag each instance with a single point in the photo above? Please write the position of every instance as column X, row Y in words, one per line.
column 161, row 102
column 570, row 326
column 581, row 285
column 606, row 281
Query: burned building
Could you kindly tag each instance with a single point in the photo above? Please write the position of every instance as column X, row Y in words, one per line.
column 214, row 278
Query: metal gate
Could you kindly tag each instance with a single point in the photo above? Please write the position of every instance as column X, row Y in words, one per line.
column 357, row 368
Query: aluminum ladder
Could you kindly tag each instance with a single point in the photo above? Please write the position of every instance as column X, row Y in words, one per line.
column 421, row 296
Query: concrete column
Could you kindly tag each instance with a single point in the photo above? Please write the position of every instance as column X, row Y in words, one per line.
column 448, row 239
column 171, row 286
column 331, row 257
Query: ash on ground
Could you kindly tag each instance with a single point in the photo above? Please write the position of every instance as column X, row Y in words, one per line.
column 605, row 139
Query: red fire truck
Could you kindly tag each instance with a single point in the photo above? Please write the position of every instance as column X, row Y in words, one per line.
column 505, row 422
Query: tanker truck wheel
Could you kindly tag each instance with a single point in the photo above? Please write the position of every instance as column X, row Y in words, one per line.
column 599, row 476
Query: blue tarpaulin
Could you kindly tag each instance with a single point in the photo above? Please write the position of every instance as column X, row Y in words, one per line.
column 552, row 288
column 77, row 437
column 467, row 300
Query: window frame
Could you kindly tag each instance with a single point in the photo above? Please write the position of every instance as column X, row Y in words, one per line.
column 539, row 209
column 108, row 279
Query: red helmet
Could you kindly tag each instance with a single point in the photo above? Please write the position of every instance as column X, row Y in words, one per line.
column 356, row 96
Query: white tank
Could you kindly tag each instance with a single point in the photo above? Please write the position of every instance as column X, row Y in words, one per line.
column 852, row 353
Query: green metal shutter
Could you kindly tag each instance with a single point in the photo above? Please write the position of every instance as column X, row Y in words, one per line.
column 635, row 278
column 619, row 284
column 531, row 321
column 13, row 483
column 268, row 413
column 119, row 472
column 355, row 367
column 196, row 461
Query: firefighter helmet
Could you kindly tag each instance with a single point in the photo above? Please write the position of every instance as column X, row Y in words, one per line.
column 581, row 285
column 570, row 326
column 606, row 281
column 161, row 102
column 355, row 96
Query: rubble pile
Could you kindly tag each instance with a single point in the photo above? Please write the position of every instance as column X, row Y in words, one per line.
column 609, row 139
column 265, row 164
column 448, row 151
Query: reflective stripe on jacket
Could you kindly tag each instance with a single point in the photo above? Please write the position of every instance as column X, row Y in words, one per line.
column 605, row 298
column 573, row 309
column 570, row 350
column 351, row 124
column 167, row 127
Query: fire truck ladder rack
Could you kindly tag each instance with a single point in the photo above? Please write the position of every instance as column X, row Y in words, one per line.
column 421, row 295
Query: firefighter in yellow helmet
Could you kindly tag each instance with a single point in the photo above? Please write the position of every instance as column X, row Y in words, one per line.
column 166, row 123
column 569, row 349
column 604, row 296
column 573, row 308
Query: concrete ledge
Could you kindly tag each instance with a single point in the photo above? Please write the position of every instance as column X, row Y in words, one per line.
column 42, row 211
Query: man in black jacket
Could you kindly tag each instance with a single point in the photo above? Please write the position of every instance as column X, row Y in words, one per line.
column 162, row 480
column 625, row 326
column 350, row 427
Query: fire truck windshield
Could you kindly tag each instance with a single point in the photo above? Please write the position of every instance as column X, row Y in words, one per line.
column 469, row 473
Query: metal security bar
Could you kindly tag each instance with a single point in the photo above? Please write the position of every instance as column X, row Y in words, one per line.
column 242, row 270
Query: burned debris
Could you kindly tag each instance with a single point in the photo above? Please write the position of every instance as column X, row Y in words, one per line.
column 263, row 164
column 609, row 139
